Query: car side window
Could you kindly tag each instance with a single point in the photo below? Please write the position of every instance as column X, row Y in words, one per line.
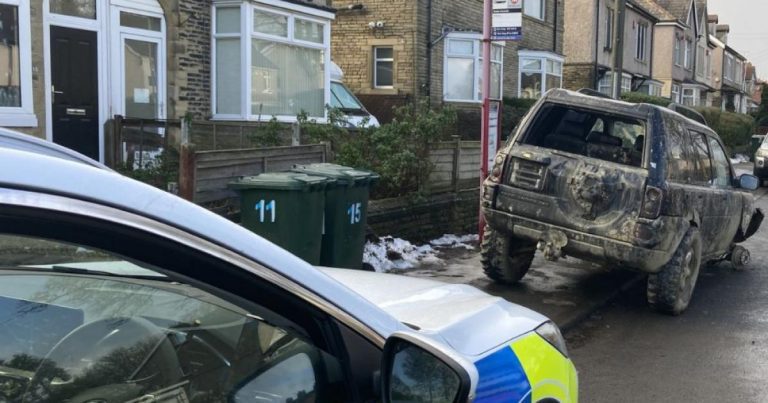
column 679, row 164
column 84, row 324
column 702, row 159
column 722, row 168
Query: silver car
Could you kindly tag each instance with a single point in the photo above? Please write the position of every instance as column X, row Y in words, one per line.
column 113, row 291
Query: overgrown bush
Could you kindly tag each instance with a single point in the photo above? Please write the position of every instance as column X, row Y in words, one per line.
column 640, row 98
column 267, row 134
column 734, row 128
column 397, row 151
column 158, row 172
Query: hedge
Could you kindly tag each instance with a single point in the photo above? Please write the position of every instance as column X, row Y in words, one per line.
column 735, row 129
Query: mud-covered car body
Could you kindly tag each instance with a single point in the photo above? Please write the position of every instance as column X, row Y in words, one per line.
column 615, row 182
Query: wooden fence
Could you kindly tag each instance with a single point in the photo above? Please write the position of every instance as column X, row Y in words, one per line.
column 456, row 166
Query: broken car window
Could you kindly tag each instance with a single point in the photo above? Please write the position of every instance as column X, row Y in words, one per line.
column 589, row 133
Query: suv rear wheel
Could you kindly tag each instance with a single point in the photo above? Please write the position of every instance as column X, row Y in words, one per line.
column 670, row 290
column 505, row 259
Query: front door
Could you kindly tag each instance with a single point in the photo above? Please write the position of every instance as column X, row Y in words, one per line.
column 75, row 94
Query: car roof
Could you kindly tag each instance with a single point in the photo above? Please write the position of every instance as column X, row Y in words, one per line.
column 51, row 172
column 25, row 142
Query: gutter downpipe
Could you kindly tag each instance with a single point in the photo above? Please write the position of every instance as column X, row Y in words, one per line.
column 554, row 30
column 429, row 53
column 597, row 43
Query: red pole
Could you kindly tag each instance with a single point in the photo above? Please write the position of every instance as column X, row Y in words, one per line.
column 486, row 91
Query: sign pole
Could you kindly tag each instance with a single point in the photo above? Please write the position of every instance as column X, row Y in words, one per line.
column 486, row 91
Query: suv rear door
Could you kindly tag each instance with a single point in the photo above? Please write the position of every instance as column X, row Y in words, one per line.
column 579, row 168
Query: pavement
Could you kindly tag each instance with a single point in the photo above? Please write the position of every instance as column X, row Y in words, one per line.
column 567, row 291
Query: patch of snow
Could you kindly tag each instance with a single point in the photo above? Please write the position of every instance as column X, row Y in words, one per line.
column 739, row 159
column 455, row 241
column 394, row 253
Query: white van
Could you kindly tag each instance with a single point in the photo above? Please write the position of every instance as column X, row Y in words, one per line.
column 343, row 99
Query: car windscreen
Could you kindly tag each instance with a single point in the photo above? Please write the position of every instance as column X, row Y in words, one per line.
column 343, row 99
column 589, row 133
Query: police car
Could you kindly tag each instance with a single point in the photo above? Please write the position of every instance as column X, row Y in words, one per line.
column 113, row 291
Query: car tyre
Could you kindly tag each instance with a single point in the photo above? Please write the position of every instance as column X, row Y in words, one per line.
column 505, row 259
column 670, row 290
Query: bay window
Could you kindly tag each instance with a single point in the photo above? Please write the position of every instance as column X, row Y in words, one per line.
column 16, row 104
column 539, row 72
column 463, row 68
column 270, row 62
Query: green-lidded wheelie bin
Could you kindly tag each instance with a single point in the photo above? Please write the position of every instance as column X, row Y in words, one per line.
column 346, row 209
column 286, row 208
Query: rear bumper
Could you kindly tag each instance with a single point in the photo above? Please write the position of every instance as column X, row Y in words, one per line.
column 582, row 245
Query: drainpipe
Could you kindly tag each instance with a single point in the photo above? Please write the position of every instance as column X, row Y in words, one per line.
column 428, row 84
column 554, row 30
column 595, row 78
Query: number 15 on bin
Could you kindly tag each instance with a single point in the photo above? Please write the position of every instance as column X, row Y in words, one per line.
column 263, row 207
column 354, row 211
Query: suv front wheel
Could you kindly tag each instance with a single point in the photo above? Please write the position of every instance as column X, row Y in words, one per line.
column 505, row 259
column 670, row 290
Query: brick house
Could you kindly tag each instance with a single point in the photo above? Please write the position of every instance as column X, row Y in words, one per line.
column 589, row 31
column 70, row 66
column 392, row 51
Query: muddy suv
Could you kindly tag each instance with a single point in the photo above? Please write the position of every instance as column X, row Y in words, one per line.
column 620, row 184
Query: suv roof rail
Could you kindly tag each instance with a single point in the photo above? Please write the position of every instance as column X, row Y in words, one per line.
column 594, row 93
column 690, row 113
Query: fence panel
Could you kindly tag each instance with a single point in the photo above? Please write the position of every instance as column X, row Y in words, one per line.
column 215, row 169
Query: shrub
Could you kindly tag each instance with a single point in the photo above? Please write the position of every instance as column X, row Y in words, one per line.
column 640, row 98
column 734, row 128
column 397, row 151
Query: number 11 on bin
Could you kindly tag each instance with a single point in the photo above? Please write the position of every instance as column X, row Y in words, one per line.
column 354, row 211
column 262, row 207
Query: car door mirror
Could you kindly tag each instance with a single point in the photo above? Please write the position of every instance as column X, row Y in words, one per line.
column 749, row 182
column 418, row 369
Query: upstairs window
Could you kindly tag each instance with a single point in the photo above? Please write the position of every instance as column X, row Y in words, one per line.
column 535, row 8
column 641, row 40
column 462, row 76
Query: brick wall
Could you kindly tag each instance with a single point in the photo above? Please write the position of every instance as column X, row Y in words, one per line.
column 577, row 76
column 451, row 213
column 406, row 29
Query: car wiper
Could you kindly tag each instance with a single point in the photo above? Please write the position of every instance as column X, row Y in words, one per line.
column 91, row 272
column 80, row 270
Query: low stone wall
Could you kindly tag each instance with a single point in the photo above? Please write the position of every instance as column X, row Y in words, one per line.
column 447, row 213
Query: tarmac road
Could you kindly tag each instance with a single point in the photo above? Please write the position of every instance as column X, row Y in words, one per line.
column 717, row 351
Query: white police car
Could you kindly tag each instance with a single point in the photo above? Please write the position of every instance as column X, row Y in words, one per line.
column 113, row 291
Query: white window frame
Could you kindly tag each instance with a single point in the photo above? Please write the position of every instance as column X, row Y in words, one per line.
column 675, row 93
column 641, row 41
column 24, row 115
column 606, row 83
column 544, row 57
column 542, row 9
column 477, row 58
column 690, row 93
column 247, row 35
column 376, row 60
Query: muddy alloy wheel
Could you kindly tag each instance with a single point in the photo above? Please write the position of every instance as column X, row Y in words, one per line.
column 505, row 259
column 670, row 290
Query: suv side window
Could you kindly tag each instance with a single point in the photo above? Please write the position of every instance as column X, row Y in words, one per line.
column 722, row 169
column 679, row 164
column 702, row 158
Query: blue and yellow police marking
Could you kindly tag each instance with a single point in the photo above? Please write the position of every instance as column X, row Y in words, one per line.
column 528, row 370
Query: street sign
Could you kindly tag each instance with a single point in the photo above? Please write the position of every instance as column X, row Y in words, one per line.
column 507, row 20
